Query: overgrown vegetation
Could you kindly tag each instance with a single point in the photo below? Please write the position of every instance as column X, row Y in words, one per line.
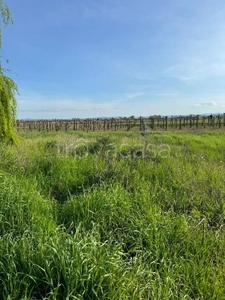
column 119, row 216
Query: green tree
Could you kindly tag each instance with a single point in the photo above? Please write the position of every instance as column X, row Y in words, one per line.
column 8, row 88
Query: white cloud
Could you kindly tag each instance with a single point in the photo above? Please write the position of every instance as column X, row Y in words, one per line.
column 138, row 103
column 168, row 94
column 134, row 95
column 205, row 104
column 194, row 70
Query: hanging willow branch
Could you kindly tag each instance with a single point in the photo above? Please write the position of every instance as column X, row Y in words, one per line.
column 8, row 108
column 8, row 89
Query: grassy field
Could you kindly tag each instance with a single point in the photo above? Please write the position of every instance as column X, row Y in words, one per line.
column 113, row 216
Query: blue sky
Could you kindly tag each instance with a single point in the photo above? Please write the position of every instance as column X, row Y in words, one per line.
column 82, row 59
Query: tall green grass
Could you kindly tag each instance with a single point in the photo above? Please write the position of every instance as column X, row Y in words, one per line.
column 119, row 216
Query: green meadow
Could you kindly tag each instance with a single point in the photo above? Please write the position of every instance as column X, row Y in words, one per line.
column 113, row 215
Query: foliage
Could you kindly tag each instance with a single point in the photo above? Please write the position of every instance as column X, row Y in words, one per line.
column 95, row 227
column 7, row 109
column 8, row 89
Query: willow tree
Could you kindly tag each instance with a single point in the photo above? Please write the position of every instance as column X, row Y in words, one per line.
column 8, row 88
